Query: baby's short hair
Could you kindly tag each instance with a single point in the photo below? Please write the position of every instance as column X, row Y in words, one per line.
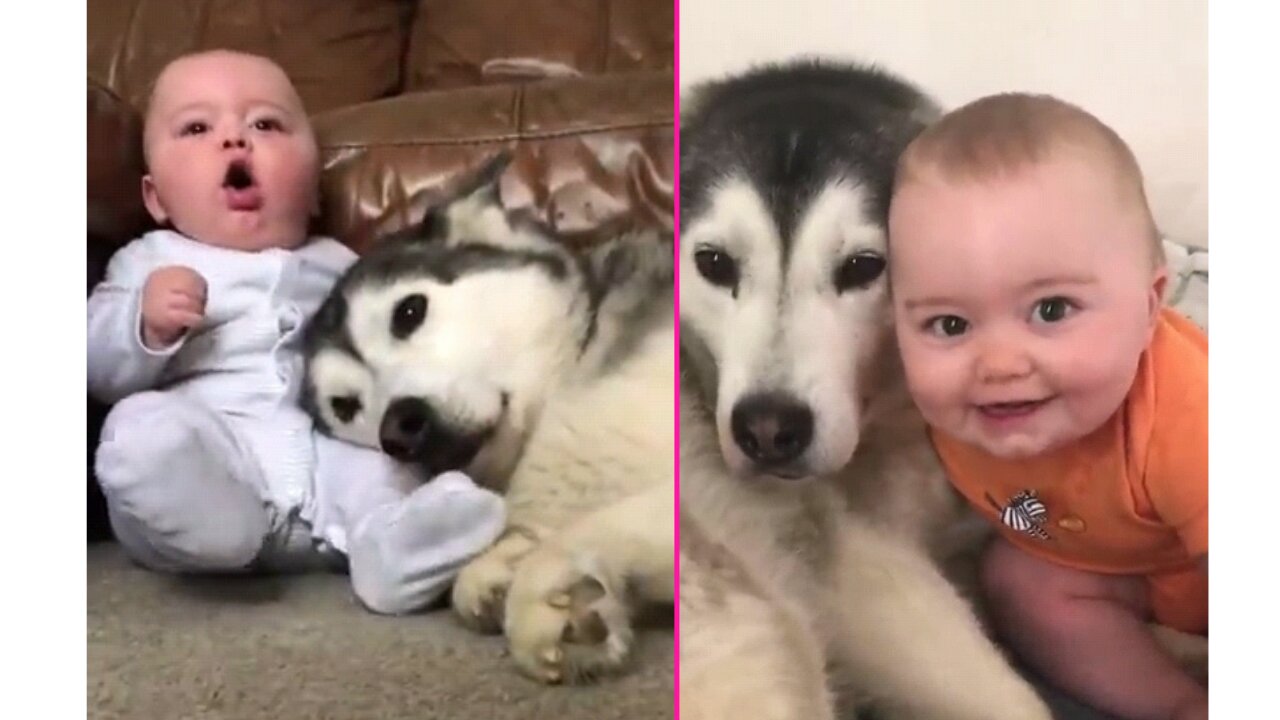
column 1001, row 134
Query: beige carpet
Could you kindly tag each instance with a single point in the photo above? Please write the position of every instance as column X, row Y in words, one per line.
column 299, row 648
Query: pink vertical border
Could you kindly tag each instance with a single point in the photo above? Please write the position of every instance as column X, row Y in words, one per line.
column 675, row 121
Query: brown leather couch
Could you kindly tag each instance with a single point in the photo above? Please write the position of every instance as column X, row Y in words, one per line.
column 408, row 97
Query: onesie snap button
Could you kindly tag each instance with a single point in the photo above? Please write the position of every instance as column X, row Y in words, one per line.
column 1071, row 523
column 287, row 320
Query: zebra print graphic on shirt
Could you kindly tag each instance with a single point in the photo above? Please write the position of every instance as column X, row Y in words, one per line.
column 1025, row 513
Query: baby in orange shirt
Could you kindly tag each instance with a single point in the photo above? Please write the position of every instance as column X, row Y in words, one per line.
column 1066, row 403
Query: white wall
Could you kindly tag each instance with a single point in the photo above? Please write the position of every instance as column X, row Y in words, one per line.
column 1139, row 65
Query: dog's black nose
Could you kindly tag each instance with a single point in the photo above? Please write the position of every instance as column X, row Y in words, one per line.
column 772, row 429
column 406, row 428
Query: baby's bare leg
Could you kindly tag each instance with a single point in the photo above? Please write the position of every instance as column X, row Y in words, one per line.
column 1088, row 634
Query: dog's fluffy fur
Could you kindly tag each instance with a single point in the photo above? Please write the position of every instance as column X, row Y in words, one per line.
column 551, row 378
column 814, row 582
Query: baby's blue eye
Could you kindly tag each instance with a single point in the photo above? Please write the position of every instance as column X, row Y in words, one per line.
column 947, row 325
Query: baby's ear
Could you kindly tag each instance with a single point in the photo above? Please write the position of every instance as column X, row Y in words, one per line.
column 151, row 199
column 1155, row 296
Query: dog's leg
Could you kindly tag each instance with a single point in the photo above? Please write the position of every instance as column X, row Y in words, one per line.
column 743, row 654
column 569, row 609
column 480, row 592
column 908, row 637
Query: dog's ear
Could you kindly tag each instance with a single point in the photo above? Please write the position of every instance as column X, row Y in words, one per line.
column 482, row 189
column 434, row 225
column 487, row 181
column 484, row 185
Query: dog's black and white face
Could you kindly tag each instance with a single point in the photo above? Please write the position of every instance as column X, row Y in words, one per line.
column 441, row 345
column 785, row 176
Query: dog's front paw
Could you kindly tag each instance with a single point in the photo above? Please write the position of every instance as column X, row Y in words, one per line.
column 563, row 623
column 480, row 593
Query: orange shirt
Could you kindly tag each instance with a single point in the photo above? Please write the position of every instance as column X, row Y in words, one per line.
column 1130, row 498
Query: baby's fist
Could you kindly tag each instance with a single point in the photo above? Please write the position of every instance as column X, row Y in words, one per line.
column 172, row 302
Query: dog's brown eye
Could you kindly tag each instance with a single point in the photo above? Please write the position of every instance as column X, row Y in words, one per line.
column 717, row 267
column 858, row 271
column 345, row 408
column 408, row 315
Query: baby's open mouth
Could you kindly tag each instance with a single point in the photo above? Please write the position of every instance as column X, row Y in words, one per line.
column 1015, row 408
column 238, row 177
column 241, row 190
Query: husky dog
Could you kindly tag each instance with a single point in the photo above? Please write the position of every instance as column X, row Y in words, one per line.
column 816, row 522
column 476, row 342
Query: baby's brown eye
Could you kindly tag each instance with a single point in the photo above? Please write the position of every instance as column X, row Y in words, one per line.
column 194, row 128
column 947, row 325
column 1052, row 309
column 267, row 125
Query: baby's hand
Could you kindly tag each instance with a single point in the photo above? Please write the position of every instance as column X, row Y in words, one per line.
column 172, row 302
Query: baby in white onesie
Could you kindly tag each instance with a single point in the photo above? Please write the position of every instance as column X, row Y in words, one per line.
column 207, row 462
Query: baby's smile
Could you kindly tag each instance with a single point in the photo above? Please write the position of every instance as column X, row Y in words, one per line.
column 1003, row 415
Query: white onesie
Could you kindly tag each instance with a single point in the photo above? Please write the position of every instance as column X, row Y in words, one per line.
column 209, row 464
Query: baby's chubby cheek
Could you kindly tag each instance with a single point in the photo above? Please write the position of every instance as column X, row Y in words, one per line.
column 932, row 388
column 1091, row 399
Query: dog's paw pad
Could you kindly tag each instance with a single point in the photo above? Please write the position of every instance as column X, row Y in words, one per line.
column 587, row 630
column 577, row 629
column 490, row 606
column 583, row 624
